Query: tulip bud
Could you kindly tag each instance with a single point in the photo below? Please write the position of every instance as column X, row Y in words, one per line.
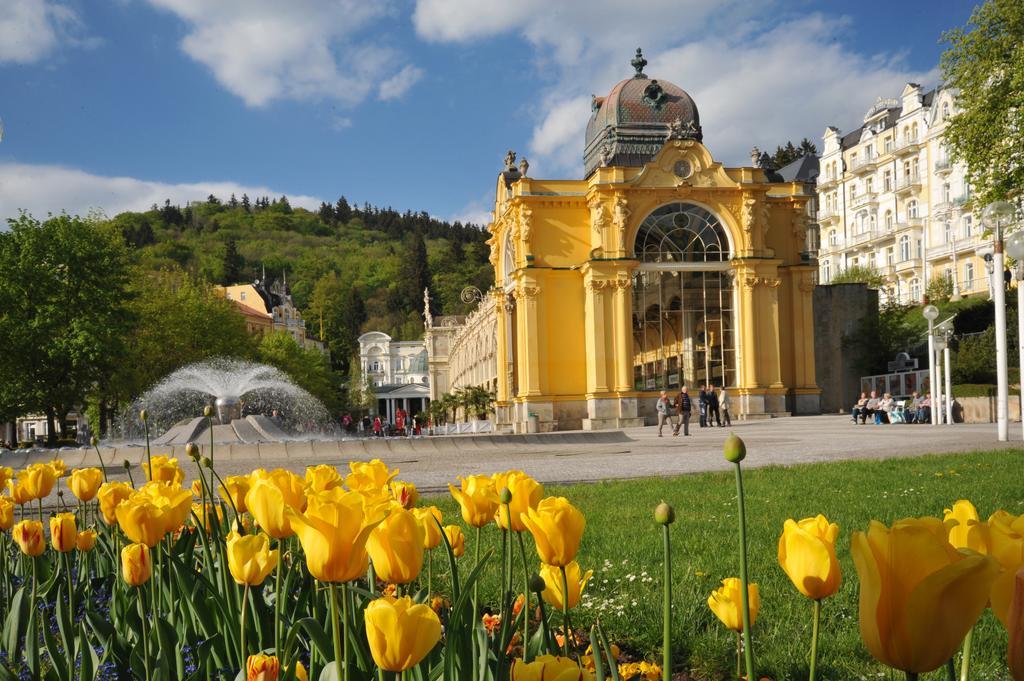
column 93, row 441
column 192, row 451
column 537, row 584
column 205, row 462
column 664, row 514
column 60, row 494
column 505, row 495
column 144, row 415
column 734, row 449
column 127, row 464
column 208, row 411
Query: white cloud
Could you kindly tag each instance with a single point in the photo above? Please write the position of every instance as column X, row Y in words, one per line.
column 263, row 50
column 31, row 30
column 398, row 84
column 341, row 122
column 477, row 211
column 42, row 189
column 756, row 79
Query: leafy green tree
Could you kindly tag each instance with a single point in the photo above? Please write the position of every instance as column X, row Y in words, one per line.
column 233, row 264
column 859, row 274
column 308, row 367
column 359, row 398
column 985, row 63
column 341, row 307
column 63, row 313
column 414, row 273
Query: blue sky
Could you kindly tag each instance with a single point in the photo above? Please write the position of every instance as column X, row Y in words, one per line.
column 115, row 104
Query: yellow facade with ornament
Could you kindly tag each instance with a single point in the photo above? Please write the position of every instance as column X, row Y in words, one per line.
column 661, row 268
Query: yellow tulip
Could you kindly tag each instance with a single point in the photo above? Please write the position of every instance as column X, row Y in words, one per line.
column 136, row 566
column 266, row 504
column 478, row 499
column 918, row 595
column 429, row 517
column 197, row 488
column 6, row 513
column 20, row 494
column 208, row 515
column 807, row 554
column 396, row 547
column 966, row 531
column 549, row 668
column 110, row 495
column 250, row 559
column 557, row 528
column 37, row 480
column 292, row 486
column 727, row 603
column 404, row 493
column 552, row 577
column 85, row 482
column 28, row 534
column 333, row 532
column 233, row 491
column 164, row 469
column 1015, row 652
column 6, row 475
column 1006, row 537
column 368, row 476
column 300, row 672
column 400, row 633
column 59, row 468
column 456, row 539
column 323, row 477
column 526, row 494
column 141, row 520
column 174, row 502
column 86, row 540
column 63, row 532
column 260, row 667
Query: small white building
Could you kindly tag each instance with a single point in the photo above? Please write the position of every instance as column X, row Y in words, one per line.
column 398, row 370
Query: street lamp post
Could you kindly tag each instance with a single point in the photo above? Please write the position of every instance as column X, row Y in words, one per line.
column 938, row 398
column 1015, row 249
column 931, row 313
column 996, row 216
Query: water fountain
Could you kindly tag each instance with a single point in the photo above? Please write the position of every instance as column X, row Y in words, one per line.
column 252, row 402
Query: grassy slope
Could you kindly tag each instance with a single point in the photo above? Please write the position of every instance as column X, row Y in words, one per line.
column 623, row 547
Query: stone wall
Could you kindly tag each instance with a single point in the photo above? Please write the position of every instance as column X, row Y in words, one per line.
column 840, row 311
column 982, row 409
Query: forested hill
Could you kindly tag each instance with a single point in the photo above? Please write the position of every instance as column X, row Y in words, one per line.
column 362, row 268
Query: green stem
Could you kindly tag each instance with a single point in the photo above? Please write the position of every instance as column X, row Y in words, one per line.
column 476, row 585
column 145, row 636
column 814, row 640
column 149, row 456
column 739, row 655
column 277, row 600
column 430, row 574
column 210, row 420
column 241, row 627
column 341, row 672
column 748, row 651
column 565, row 613
column 965, row 661
column 950, row 670
column 103, row 467
column 344, row 625
column 666, row 634
column 526, row 599
column 34, row 617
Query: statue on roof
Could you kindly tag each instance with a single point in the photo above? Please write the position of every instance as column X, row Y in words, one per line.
column 524, row 165
column 427, row 317
column 639, row 63
column 510, row 160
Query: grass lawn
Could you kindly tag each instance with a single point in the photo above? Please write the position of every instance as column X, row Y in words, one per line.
column 622, row 545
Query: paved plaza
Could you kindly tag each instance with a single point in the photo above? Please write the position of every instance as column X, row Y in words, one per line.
column 431, row 463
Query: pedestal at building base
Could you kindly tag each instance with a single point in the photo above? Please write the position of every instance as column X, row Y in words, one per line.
column 762, row 404
column 805, row 401
column 605, row 413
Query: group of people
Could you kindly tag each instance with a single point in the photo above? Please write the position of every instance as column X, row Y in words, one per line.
column 885, row 409
column 405, row 425
column 712, row 408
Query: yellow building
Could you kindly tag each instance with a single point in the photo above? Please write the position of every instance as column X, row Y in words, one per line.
column 268, row 309
column 659, row 268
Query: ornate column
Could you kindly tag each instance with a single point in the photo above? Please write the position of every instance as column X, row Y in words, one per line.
column 501, row 344
column 597, row 358
column 623, row 332
column 527, row 336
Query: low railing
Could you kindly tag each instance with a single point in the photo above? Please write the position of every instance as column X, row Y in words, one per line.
column 907, row 182
column 861, row 163
column 942, row 165
column 863, row 199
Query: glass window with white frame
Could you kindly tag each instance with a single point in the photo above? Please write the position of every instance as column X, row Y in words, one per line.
column 904, row 248
column 968, row 274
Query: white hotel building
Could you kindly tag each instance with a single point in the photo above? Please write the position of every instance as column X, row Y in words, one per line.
column 889, row 199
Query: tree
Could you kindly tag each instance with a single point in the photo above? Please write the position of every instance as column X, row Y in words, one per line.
column 342, row 211
column 233, row 264
column 63, row 313
column 414, row 273
column 808, row 148
column 245, row 203
column 859, row 274
column 985, row 64
column 343, row 312
column 326, row 212
column 360, row 398
column 308, row 367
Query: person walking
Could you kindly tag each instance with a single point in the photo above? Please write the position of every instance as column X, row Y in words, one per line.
column 684, row 406
column 702, row 406
column 723, row 401
column 378, row 427
column 713, row 407
column 664, row 408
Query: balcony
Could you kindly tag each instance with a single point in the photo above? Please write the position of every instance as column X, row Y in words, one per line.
column 828, row 216
column 942, row 209
column 962, row 200
column 907, row 265
column 909, row 223
column 966, row 245
column 943, row 166
column 864, row 164
column 864, row 237
column 908, row 183
column 831, row 248
column 826, row 182
column 865, row 199
column 887, row 270
column 908, row 145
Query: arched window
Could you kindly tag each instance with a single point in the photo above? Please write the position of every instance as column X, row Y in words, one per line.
column 681, row 232
column 904, row 248
column 683, row 321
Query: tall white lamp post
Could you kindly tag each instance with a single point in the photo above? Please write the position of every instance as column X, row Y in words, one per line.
column 931, row 313
column 997, row 216
column 1015, row 249
column 938, row 397
column 945, row 330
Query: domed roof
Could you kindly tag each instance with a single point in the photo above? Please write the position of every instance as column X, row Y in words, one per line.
column 631, row 124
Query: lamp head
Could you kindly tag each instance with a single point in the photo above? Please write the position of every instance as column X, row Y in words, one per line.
column 1015, row 245
column 930, row 312
column 940, row 343
column 997, row 212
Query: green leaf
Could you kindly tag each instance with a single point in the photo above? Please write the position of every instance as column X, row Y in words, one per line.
column 17, row 621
